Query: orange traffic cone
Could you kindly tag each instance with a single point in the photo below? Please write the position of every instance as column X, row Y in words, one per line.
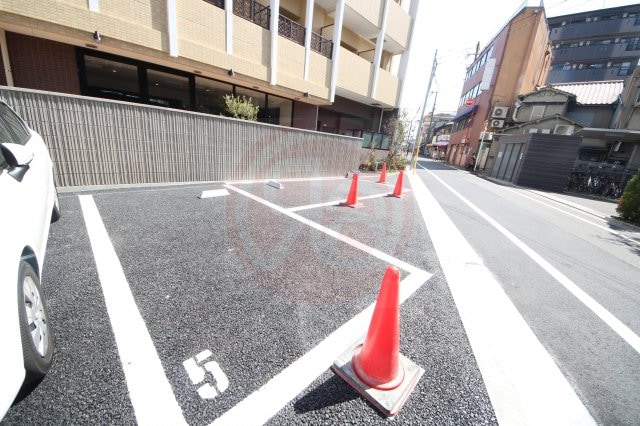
column 383, row 174
column 377, row 363
column 376, row 368
column 397, row 191
column 352, row 198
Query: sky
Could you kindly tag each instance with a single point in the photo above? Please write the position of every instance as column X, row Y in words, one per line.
column 454, row 27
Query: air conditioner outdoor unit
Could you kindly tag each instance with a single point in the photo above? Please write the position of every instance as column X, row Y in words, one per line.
column 497, row 124
column 562, row 129
column 486, row 136
column 499, row 112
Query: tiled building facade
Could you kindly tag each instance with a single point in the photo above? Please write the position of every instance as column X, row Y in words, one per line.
column 330, row 65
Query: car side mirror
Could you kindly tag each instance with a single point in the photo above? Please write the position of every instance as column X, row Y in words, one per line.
column 18, row 158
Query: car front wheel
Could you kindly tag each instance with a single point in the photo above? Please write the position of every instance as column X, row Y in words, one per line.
column 37, row 339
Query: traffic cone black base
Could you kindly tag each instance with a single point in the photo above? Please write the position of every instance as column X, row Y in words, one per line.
column 389, row 402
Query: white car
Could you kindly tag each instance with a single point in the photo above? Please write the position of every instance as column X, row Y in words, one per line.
column 28, row 204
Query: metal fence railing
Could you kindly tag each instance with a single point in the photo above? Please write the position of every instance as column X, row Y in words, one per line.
column 321, row 45
column 291, row 30
column 252, row 11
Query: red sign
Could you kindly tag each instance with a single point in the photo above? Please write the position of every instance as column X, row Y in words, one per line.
column 469, row 102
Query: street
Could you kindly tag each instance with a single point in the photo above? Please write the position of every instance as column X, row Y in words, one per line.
column 521, row 306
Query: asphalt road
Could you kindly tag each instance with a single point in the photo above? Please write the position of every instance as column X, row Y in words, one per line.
column 258, row 289
column 598, row 254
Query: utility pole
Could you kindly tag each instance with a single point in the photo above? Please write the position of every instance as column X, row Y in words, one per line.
column 424, row 105
column 433, row 110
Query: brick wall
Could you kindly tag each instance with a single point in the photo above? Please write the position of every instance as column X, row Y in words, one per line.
column 43, row 64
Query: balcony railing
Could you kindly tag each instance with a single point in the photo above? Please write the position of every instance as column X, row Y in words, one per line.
column 259, row 14
column 321, row 45
column 291, row 30
column 252, row 11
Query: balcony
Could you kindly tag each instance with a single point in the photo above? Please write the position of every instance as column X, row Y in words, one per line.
column 291, row 30
column 595, row 52
column 354, row 74
column 601, row 74
column 593, row 29
column 252, row 11
column 321, row 45
column 261, row 15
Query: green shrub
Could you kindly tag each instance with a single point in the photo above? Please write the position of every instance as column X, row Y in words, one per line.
column 629, row 206
column 241, row 107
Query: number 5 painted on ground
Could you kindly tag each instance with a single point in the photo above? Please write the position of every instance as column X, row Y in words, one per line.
column 197, row 375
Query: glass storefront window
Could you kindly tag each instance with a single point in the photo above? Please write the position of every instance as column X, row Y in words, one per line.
column 257, row 98
column 111, row 79
column 210, row 96
column 168, row 90
column 109, row 76
column 279, row 111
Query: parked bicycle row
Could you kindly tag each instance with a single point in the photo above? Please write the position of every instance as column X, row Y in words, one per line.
column 606, row 185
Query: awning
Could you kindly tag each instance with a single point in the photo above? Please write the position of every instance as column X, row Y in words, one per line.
column 441, row 143
column 610, row 134
column 464, row 113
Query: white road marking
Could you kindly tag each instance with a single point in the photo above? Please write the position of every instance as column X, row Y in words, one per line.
column 222, row 382
column 523, row 382
column 604, row 228
column 149, row 390
column 214, row 193
column 354, row 243
column 250, row 181
column 607, row 317
column 203, row 355
column 264, row 403
column 197, row 375
column 334, row 203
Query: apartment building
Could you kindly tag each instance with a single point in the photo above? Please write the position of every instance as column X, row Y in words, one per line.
column 597, row 45
column 515, row 61
column 330, row 65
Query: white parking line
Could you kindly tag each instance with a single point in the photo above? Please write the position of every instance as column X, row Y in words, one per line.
column 354, row 243
column 149, row 390
column 524, row 384
column 264, row 403
column 334, row 203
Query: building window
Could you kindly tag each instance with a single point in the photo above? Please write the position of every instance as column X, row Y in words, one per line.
column 111, row 79
column 279, row 111
column 633, row 43
column 210, row 95
column 168, row 89
column 537, row 112
column 109, row 76
column 219, row 3
column 257, row 98
column 625, row 68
